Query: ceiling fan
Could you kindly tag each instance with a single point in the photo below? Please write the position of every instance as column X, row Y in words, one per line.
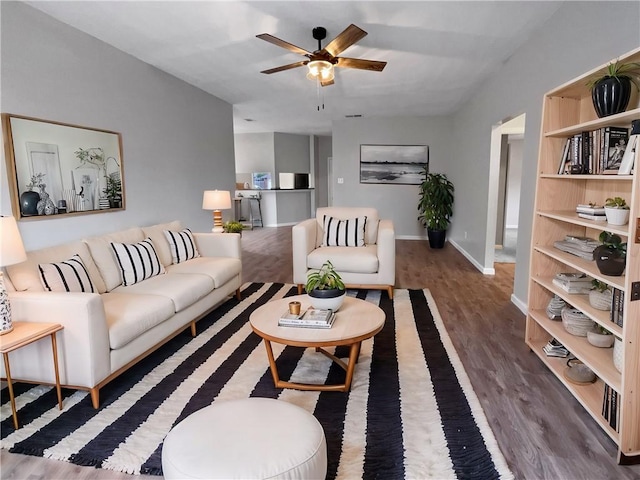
column 322, row 61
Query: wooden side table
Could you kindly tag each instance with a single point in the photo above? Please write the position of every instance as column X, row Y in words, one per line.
column 25, row 333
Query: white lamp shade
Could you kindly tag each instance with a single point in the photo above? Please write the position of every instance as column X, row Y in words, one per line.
column 11, row 247
column 216, row 200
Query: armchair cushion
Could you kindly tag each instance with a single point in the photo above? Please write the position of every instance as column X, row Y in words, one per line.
column 349, row 260
column 343, row 233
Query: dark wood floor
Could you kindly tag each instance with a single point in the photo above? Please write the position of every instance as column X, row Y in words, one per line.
column 542, row 431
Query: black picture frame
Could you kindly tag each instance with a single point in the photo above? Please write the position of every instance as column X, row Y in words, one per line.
column 393, row 164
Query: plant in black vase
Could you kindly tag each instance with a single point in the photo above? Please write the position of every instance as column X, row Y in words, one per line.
column 611, row 89
column 435, row 206
column 325, row 287
column 611, row 256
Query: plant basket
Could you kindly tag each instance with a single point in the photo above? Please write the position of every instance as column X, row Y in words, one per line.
column 576, row 323
column 601, row 300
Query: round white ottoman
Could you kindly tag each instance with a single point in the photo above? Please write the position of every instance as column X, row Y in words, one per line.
column 248, row 439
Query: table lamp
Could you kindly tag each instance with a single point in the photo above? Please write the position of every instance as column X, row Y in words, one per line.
column 11, row 251
column 216, row 200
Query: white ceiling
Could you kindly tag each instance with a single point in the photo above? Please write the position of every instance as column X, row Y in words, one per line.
column 437, row 52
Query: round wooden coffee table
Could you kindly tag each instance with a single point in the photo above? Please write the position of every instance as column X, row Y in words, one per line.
column 355, row 321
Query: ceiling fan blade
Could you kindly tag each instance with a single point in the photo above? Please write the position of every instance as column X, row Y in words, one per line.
column 326, row 83
column 285, row 67
column 372, row 65
column 348, row 37
column 281, row 43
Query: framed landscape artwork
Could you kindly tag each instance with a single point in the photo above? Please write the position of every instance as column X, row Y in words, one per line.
column 393, row 164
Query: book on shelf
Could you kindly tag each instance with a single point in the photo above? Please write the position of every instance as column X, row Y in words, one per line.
column 573, row 282
column 565, row 160
column 584, row 251
column 611, row 407
column 311, row 318
column 594, row 217
column 617, row 307
column 590, row 209
column 599, row 152
column 554, row 348
column 616, row 139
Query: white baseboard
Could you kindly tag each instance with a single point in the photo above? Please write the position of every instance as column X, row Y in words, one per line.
column 485, row 271
column 519, row 303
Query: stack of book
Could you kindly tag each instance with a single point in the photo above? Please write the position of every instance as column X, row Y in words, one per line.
column 554, row 348
column 598, row 152
column 591, row 212
column 573, row 282
column 617, row 307
column 611, row 407
column 310, row 318
column 582, row 247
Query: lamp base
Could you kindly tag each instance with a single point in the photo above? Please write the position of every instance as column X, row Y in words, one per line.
column 217, row 222
column 5, row 309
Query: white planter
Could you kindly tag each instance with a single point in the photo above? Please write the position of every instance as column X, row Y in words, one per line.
column 601, row 300
column 600, row 340
column 332, row 303
column 617, row 216
column 617, row 354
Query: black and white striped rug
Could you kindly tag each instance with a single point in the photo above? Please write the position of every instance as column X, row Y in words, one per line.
column 411, row 412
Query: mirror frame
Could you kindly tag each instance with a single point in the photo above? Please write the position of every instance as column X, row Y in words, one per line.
column 75, row 159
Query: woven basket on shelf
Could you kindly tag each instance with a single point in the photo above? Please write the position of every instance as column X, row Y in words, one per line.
column 575, row 322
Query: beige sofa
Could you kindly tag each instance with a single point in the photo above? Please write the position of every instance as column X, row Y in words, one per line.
column 108, row 331
column 371, row 265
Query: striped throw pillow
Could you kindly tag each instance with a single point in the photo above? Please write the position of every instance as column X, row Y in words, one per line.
column 343, row 233
column 182, row 245
column 137, row 261
column 68, row 276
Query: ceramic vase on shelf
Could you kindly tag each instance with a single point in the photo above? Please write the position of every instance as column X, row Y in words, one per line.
column 29, row 203
column 617, row 216
column 45, row 205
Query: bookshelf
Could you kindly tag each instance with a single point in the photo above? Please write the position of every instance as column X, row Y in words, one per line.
column 567, row 111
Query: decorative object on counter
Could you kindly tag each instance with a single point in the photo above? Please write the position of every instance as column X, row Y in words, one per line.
column 617, row 354
column 554, row 309
column 617, row 211
column 575, row 322
column 325, row 288
column 600, row 337
column 45, row 205
column 11, row 252
column 216, row 200
column 578, row 373
column 611, row 89
column 611, row 256
column 600, row 295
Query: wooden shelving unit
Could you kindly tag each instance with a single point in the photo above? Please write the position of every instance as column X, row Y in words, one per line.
column 568, row 110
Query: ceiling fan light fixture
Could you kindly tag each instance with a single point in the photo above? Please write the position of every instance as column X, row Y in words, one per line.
column 320, row 69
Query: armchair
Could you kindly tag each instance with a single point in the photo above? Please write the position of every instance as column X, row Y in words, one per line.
column 371, row 265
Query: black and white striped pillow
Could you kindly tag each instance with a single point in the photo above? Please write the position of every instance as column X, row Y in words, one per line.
column 182, row 245
column 343, row 233
column 137, row 261
column 68, row 276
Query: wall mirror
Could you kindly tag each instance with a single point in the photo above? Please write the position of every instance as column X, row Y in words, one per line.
column 56, row 169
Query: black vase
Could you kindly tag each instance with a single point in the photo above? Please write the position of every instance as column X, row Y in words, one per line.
column 29, row 203
column 436, row 238
column 608, row 261
column 611, row 95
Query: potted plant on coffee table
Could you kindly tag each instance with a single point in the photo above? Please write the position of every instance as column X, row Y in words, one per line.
column 611, row 256
column 616, row 210
column 435, row 206
column 325, row 288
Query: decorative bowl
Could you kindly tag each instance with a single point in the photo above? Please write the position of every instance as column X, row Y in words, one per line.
column 575, row 322
column 577, row 372
column 600, row 340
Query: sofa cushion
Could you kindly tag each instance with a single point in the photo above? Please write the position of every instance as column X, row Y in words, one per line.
column 346, row 259
column 156, row 233
column 67, row 276
column 25, row 276
column 104, row 258
column 219, row 269
column 129, row 316
column 183, row 290
column 182, row 245
column 343, row 233
column 137, row 261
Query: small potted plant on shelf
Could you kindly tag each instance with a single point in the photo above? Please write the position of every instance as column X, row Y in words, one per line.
column 600, row 337
column 600, row 295
column 616, row 210
column 611, row 88
column 233, row 227
column 611, row 256
column 325, row 288
column 435, row 206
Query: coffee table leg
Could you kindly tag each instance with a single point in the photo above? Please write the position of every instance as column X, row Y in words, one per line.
column 272, row 363
column 10, row 385
column 54, row 347
column 354, row 351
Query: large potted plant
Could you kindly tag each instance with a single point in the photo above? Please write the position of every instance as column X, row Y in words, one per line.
column 325, row 288
column 611, row 256
column 611, row 89
column 435, row 206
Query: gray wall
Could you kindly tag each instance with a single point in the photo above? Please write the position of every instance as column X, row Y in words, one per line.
column 397, row 202
column 292, row 153
column 514, row 176
column 572, row 42
column 254, row 153
column 177, row 139
column 323, row 150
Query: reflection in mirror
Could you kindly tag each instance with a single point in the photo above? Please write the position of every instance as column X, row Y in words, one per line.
column 60, row 169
